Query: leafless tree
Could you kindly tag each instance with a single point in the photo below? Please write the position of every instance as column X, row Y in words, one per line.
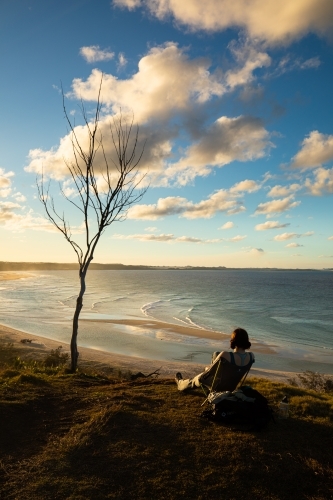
column 99, row 206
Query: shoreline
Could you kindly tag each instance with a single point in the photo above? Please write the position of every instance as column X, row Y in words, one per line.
column 276, row 361
column 108, row 361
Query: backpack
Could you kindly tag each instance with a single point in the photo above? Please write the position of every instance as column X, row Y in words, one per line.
column 245, row 409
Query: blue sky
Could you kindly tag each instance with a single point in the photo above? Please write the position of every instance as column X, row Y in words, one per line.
column 233, row 98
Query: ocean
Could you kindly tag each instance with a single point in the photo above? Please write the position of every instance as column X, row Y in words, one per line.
column 288, row 310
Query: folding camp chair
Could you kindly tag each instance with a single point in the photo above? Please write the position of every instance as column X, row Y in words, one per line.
column 224, row 376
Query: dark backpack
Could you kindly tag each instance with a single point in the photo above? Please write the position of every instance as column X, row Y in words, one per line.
column 252, row 414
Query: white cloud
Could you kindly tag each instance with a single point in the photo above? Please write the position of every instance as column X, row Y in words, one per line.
column 286, row 236
column 249, row 59
column 316, row 149
column 270, row 225
column 290, row 236
column 322, row 183
column 283, row 190
column 293, row 245
column 122, row 61
column 4, row 193
column 276, row 206
column 288, row 63
column 16, row 218
column 151, row 229
column 220, row 201
column 5, row 183
column 237, row 238
column 274, row 22
column 313, row 62
column 7, row 206
column 156, row 145
column 247, row 186
column 172, row 205
column 228, row 139
column 330, row 238
column 94, row 53
column 257, row 251
column 164, row 238
column 227, row 225
column 19, row 197
column 166, row 80
column 129, row 4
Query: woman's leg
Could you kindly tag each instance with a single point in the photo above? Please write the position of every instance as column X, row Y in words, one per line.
column 189, row 383
column 184, row 384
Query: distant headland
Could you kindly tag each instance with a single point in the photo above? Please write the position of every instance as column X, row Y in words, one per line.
column 60, row 266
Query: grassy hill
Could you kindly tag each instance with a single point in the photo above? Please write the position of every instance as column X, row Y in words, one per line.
column 90, row 436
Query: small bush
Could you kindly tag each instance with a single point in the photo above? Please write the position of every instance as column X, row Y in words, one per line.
column 313, row 380
column 56, row 358
column 52, row 365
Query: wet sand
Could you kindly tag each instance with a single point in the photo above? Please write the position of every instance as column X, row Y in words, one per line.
column 38, row 347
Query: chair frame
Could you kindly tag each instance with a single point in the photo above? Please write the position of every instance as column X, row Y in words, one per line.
column 218, row 375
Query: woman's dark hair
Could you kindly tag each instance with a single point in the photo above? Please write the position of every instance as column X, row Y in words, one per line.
column 240, row 338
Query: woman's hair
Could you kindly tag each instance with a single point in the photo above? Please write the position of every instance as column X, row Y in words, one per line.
column 240, row 338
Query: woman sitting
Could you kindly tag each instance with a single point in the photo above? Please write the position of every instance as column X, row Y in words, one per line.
column 239, row 342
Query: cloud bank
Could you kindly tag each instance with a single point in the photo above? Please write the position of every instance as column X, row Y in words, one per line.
column 164, row 238
column 267, row 20
column 220, row 201
column 167, row 96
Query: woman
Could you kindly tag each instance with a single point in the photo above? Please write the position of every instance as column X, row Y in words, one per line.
column 239, row 342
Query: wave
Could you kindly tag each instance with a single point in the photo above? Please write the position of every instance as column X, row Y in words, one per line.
column 288, row 320
column 94, row 304
column 151, row 305
column 189, row 322
column 64, row 302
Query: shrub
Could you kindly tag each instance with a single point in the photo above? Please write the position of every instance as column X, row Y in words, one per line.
column 313, row 380
column 56, row 358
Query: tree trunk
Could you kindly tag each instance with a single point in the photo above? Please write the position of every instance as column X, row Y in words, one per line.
column 79, row 304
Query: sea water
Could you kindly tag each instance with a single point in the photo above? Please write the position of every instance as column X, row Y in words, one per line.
column 291, row 311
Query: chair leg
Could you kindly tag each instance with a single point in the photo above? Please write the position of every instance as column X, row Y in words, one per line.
column 204, row 390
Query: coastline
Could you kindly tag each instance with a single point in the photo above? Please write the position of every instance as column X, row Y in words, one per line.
column 107, row 361
column 135, row 343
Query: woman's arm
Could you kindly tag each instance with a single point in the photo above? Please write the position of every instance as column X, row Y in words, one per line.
column 223, row 354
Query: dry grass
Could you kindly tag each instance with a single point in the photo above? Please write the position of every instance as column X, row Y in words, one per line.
column 87, row 436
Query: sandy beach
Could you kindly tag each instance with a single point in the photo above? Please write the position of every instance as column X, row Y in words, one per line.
column 38, row 347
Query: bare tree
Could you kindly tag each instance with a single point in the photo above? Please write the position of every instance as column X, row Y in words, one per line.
column 99, row 206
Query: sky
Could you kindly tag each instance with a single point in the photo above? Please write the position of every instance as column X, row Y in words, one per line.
column 233, row 100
